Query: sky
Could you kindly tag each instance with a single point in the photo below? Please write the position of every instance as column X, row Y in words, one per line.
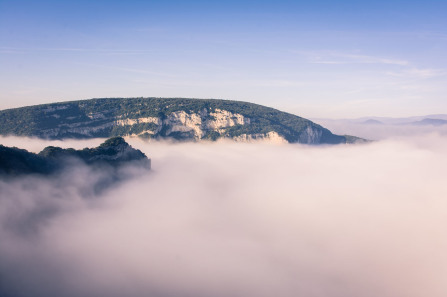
column 325, row 59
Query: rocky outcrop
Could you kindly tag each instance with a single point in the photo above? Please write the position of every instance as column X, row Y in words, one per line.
column 271, row 137
column 127, row 122
column 311, row 135
column 114, row 152
column 15, row 161
column 199, row 125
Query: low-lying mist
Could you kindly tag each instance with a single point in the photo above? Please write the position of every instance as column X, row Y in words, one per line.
column 230, row 219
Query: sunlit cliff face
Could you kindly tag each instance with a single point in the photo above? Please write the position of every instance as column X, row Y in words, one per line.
column 231, row 219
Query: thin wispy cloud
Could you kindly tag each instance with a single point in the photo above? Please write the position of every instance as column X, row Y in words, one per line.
column 15, row 50
column 11, row 51
column 419, row 73
column 340, row 58
column 151, row 29
column 129, row 70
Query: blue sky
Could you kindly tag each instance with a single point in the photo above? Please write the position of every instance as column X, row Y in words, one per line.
column 321, row 59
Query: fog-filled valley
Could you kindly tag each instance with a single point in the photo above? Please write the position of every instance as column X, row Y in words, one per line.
column 223, row 148
column 233, row 219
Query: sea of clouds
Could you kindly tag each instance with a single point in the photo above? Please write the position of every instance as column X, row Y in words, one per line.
column 231, row 219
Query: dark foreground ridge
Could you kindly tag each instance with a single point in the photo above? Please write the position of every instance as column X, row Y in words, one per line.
column 160, row 118
column 113, row 153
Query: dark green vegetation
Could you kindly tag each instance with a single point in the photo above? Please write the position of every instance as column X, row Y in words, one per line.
column 354, row 139
column 162, row 118
column 112, row 153
column 15, row 161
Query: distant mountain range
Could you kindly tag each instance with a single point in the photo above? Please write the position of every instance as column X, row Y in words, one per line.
column 428, row 120
column 423, row 122
column 377, row 128
column 159, row 118
column 434, row 120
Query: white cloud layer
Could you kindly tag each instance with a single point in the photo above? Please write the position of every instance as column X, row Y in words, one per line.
column 227, row 219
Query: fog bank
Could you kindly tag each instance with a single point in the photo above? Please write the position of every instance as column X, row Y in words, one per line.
column 228, row 219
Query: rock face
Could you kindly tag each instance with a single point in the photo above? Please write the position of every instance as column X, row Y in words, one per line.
column 113, row 152
column 271, row 137
column 197, row 125
column 177, row 118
